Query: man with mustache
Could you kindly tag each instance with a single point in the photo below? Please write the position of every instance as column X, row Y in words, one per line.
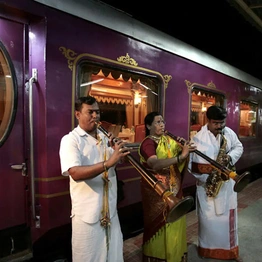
column 216, row 201
column 88, row 157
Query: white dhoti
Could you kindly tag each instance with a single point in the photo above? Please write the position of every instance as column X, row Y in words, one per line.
column 89, row 242
column 217, row 237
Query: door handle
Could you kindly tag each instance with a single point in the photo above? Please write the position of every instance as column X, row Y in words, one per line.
column 20, row 167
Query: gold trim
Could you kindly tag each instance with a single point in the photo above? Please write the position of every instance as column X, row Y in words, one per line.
column 131, row 179
column 67, row 192
column 190, row 85
column 167, row 78
column 50, row 179
column 70, row 55
column 108, row 99
column 211, row 85
column 125, row 167
column 127, row 60
column 52, row 195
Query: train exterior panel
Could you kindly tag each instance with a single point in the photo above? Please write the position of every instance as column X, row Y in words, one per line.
column 44, row 54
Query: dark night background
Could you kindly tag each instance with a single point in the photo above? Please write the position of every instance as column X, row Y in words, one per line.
column 213, row 26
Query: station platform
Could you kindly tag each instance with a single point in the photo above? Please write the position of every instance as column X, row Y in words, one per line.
column 249, row 230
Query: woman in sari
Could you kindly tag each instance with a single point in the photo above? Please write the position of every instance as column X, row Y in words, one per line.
column 165, row 159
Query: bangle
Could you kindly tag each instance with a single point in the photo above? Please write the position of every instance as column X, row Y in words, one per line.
column 105, row 167
column 178, row 161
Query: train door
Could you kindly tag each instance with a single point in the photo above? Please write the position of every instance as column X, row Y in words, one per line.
column 13, row 166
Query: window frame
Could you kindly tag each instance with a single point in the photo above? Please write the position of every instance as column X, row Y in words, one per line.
column 9, row 123
column 144, row 73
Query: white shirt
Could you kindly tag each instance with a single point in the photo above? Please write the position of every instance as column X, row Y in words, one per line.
column 209, row 145
column 78, row 149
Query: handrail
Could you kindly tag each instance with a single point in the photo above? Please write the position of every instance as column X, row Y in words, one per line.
column 32, row 80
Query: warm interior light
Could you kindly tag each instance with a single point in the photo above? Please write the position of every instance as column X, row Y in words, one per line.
column 204, row 108
column 92, row 82
column 147, row 88
column 137, row 99
column 144, row 86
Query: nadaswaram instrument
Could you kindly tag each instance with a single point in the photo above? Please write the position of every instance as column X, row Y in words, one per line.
column 241, row 181
column 176, row 208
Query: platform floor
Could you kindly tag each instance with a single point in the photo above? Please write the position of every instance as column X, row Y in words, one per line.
column 249, row 230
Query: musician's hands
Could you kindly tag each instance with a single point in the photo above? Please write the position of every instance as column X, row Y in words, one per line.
column 120, row 151
column 187, row 147
column 111, row 137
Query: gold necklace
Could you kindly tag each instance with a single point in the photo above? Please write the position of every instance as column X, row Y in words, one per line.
column 155, row 138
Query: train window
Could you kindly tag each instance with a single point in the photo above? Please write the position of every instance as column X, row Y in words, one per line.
column 201, row 100
column 248, row 118
column 7, row 95
column 124, row 98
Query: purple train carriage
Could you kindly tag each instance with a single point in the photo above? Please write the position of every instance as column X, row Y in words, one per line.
column 52, row 52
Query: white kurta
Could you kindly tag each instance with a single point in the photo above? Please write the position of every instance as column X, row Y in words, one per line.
column 88, row 236
column 217, row 237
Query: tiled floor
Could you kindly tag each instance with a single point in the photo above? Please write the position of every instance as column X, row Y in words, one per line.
column 248, row 196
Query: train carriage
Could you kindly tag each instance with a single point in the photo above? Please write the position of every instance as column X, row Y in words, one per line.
column 52, row 52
